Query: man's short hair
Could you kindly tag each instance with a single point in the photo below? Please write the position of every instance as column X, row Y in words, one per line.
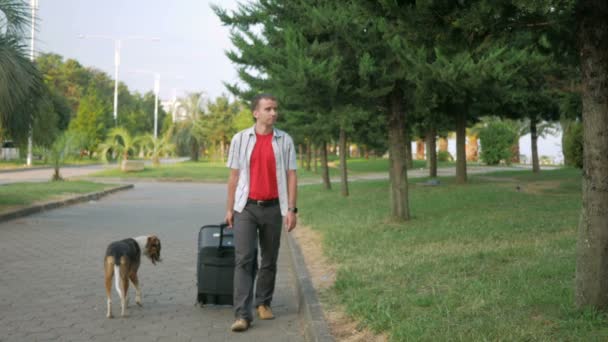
column 256, row 100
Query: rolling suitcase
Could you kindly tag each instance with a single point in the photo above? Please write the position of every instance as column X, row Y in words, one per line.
column 215, row 266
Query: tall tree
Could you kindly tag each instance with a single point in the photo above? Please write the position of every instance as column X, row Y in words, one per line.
column 188, row 134
column 20, row 80
column 92, row 121
column 592, row 260
column 218, row 123
column 296, row 57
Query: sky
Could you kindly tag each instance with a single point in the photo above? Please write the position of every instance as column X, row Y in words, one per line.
column 190, row 55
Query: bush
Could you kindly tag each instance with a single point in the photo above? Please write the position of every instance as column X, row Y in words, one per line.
column 573, row 145
column 444, row 156
column 496, row 141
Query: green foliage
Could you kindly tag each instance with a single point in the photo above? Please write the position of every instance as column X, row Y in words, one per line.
column 244, row 118
column 188, row 134
column 71, row 81
column 92, row 121
column 137, row 112
column 444, row 156
column 72, row 86
column 155, row 148
column 119, row 143
column 65, row 145
column 217, row 125
column 20, row 81
column 496, row 141
column 573, row 145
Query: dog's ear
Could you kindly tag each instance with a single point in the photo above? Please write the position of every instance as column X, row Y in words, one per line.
column 153, row 246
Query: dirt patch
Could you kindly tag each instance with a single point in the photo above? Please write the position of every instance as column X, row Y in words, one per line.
column 323, row 276
column 540, row 187
column 537, row 188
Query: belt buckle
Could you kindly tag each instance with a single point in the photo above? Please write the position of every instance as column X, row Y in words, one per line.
column 260, row 203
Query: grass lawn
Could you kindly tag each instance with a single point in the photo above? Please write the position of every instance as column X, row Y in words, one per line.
column 22, row 194
column 17, row 164
column 184, row 171
column 492, row 260
column 196, row 171
column 381, row 165
column 21, row 163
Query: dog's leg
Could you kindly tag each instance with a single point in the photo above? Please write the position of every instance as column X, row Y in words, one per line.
column 124, row 287
column 109, row 272
column 135, row 281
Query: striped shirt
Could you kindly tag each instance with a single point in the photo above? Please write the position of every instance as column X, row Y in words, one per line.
column 239, row 158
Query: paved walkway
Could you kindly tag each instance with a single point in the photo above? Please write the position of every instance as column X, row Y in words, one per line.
column 51, row 268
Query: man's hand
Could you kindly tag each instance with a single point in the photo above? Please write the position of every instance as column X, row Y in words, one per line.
column 290, row 221
column 228, row 218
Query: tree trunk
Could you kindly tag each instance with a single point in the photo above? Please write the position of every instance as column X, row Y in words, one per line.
column 419, row 149
column 565, row 124
column 314, row 157
column 431, row 152
column 194, row 150
column 409, row 161
column 56, row 174
column 592, row 257
column 223, row 149
column 396, row 144
column 461, row 158
column 325, row 167
column 534, row 143
column 343, row 169
column 308, row 154
column 301, row 152
column 365, row 152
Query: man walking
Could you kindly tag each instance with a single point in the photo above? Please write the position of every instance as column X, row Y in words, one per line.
column 262, row 191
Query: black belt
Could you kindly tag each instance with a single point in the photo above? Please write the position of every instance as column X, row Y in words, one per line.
column 267, row 203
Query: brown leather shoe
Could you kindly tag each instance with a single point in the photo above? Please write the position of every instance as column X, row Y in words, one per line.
column 264, row 312
column 240, row 325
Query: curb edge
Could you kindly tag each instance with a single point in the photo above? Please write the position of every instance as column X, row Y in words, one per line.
column 309, row 309
column 36, row 208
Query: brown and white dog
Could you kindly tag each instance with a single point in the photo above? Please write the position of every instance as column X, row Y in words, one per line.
column 122, row 260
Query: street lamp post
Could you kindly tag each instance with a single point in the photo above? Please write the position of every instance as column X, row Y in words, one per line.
column 116, row 65
column 156, row 90
column 117, row 46
column 30, row 136
column 156, row 93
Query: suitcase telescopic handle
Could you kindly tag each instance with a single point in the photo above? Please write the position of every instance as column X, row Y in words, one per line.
column 222, row 227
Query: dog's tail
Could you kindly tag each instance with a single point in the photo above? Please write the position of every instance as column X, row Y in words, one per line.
column 117, row 278
column 116, row 258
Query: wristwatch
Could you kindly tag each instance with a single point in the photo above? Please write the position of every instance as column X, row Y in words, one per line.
column 293, row 210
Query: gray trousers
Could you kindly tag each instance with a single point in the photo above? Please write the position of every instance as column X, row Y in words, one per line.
column 253, row 222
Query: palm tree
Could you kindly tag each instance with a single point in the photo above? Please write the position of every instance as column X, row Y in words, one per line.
column 120, row 143
column 20, row 80
column 189, row 131
column 64, row 145
column 155, row 148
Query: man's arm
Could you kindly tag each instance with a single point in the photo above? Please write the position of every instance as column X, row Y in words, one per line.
column 292, row 195
column 233, row 180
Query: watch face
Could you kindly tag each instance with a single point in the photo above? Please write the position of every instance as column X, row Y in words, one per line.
column 294, row 210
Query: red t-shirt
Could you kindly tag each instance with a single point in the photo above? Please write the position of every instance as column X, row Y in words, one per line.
column 263, row 170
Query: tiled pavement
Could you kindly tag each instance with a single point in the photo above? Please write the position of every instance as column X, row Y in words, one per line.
column 51, row 272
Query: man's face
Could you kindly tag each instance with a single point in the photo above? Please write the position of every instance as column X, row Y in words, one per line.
column 266, row 112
